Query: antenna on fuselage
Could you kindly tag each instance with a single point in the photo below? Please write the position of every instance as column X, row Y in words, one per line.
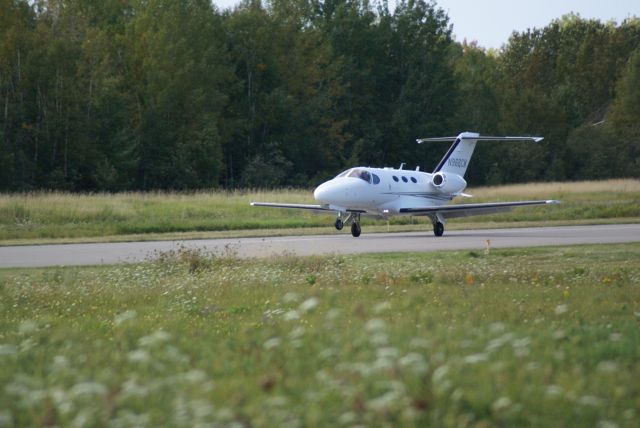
column 401, row 166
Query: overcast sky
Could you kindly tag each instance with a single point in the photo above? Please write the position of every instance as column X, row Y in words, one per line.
column 491, row 22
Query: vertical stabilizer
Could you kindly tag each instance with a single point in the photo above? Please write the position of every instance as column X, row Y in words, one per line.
column 459, row 154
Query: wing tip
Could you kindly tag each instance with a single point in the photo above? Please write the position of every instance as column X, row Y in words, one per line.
column 552, row 201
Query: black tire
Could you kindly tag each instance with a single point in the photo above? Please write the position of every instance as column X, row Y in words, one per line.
column 438, row 228
column 355, row 229
column 339, row 224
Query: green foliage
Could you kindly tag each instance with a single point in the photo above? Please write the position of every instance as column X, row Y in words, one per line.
column 545, row 336
column 167, row 94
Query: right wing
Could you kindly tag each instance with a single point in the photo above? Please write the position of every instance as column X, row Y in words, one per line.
column 321, row 208
column 295, row 206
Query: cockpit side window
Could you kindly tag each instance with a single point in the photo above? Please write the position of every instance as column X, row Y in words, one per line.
column 376, row 179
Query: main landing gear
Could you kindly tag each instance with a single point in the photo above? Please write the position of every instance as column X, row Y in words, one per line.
column 355, row 229
column 438, row 228
column 352, row 218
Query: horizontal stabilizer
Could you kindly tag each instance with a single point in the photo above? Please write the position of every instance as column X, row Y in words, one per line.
column 480, row 138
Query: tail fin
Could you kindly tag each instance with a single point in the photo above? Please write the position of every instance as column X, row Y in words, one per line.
column 459, row 154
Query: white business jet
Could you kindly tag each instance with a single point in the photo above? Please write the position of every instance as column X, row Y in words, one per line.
column 385, row 192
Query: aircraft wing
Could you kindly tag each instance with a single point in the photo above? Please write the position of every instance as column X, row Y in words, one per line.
column 295, row 206
column 465, row 210
column 303, row 207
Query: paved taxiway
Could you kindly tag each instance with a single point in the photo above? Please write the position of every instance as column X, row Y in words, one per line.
column 340, row 243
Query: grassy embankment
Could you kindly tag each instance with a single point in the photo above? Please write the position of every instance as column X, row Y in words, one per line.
column 525, row 337
column 40, row 217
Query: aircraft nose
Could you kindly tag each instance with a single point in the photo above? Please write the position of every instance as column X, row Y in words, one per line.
column 321, row 194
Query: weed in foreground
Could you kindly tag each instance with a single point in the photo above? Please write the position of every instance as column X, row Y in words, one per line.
column 515, row 337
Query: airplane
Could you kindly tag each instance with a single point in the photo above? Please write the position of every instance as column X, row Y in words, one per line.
column 386, row 192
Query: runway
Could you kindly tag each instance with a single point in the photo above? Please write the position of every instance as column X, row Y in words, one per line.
column 339, row 243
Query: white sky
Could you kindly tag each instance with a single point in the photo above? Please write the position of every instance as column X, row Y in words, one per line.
column 491, row 22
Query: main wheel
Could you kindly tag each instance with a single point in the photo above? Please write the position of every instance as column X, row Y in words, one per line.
column 438, row 228
column 355, row 229
column 339, row 224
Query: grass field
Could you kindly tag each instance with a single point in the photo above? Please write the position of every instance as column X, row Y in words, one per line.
column 38, row 217
column 526, row 337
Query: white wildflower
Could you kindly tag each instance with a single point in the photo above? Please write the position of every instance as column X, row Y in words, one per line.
column 8, row 349
column 415, row 361
column 607, row 367
column 296, row 333
column 124, row 317
column 290, row 297
column 501, row 404
column 348, row 418
column 496, row 327
column 308, row 305
column 615, row 337
column 88, row 388
column 158, row 336
column 389, row 353
column 589, row 400
column 440, row 374
column 291, row 315
column 28, row 327
column 419, row 342
column 374, row 325
column 553, row 391
column 138, row 356
column 274, row 342
column 475, row 358
column 381, row 307
column 561, row 309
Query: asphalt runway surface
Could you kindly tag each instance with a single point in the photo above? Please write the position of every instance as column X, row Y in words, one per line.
column 339, row 243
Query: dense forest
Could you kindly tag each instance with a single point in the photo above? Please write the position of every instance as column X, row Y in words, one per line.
column 109, row 95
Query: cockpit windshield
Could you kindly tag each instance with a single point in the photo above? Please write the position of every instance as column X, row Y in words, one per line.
column 362, row 174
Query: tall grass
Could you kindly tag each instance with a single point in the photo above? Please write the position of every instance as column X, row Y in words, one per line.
column 526, row 337
column 63, row 215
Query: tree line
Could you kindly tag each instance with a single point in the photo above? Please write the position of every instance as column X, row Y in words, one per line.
column 109, row 95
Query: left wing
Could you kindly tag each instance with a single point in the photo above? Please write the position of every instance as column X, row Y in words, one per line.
column 465, row 210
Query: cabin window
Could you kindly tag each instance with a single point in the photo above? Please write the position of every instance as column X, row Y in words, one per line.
column 404, row 179
column 414, row 179
column 395, row 178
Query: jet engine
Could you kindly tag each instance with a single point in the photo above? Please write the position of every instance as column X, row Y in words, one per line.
column 448, row 183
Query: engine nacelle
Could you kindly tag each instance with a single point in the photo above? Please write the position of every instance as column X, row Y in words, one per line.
column 448, row 183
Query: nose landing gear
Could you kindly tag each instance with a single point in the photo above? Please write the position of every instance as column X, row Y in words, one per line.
column 339, row 224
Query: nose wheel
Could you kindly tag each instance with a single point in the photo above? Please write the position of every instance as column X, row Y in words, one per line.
column 339, row 224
